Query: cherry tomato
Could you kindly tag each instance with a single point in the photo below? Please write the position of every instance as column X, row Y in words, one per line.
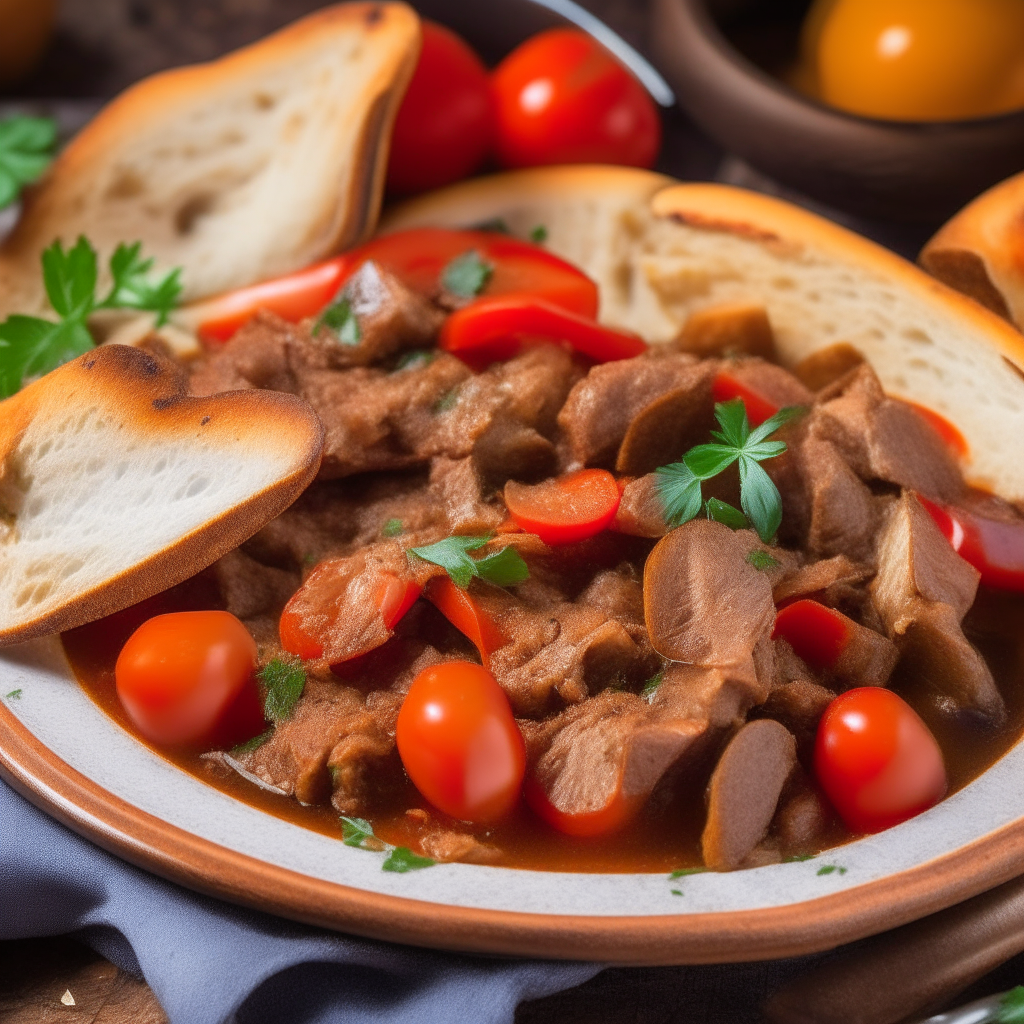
column 459, row 742
column 187, row 677
column 726, row 387
column 993, row 547
column 566, row 509
column 490, row 329
column 590, row 824
column 459, row 608
column 563, row 99
column 816, row 633
column 445, row 125
column 877, row 761
column 293, row 297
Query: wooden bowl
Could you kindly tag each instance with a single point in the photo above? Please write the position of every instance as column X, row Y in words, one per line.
column 908, row 171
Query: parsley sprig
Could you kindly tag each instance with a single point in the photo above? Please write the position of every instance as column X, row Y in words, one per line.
column 1011, row 1007
column 467, row 275
column 31, row 346
column 26, row 149
column 358, row 832
column 283, row 684
column 679, row 484
column 504, row 568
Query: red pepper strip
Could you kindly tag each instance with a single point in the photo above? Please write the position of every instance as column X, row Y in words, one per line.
column 293, row 297
column 726, row 387
column 501, row 325
column 294, row 639
column 601, row 822
column 994, row 548
column 817, row 634
column 395, row 597
column 955, row 441
column 465, row 615
column 567, row 509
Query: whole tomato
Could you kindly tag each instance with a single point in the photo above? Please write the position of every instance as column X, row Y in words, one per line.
column 877, row 761
column 460, row 744
column 563, row 99
column 188, row 678
column 446, row 122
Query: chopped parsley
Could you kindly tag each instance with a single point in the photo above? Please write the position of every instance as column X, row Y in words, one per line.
column 762, row 560
column 539, row 235
column 358, row 833
column 26, row 149
column 683, row 873
column 503, row 568
column 340, row 318
column 31, row 346
column 724, row 513
column 393, row 528
column 14, row 695
column 283, row 682
column 447, row 401
column 799, row 858
column 679, row 484
column 254, row 744
column 1011, row 1007
column 467, row 275
column 414, row 360
column 651, row 686
column 829, row 869
column 402, row 859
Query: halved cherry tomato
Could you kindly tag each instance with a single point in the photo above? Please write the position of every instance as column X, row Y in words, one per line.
column 465, row 615
column 876, row 760
column 188, row 678
column 566, row 509
column 445, row 125
column 460, row 744
column 563, row 99
column 294, row 297
column 818, row 634
column 590, row 824
column 995, row 548
column 496, row 328
column 726, row 387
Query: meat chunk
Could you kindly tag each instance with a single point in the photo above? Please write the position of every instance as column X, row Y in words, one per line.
column 258, row 356
column 798, row 704
column 447, row 845
column 827, row 365
column 769, row 381
column 922, row 591
column 803, row 817
column 705, row 604
column 883, row 439
column 456, row 485
column 728, row 330
column 744, row 792
column 721, row 696
column 641, row 512
column 828, row 581
column 600, row 408
column 604, row 757
column 249, row 589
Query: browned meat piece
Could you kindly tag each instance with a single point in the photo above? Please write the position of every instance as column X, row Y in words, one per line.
column 884, row 439
column 665, row 429
column 828, row 581
column 798, row 704
column 729, row 330
column 513, row 451
column 455, row 484
column 827, row 365
column 256, row 357
column 770, row 381
column 607, row 754
column 721, row 696
column 803, row 817
column 536, row 384
column 446, row 845
column 249, row 589
column 619, row 594
column 640, row 512
column 922, row 592
column 600, row 408
column 867, row 659
column 705, row 604
column 744, row 792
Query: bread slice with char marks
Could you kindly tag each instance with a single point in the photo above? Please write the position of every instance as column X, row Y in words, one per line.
column 115, row 484
column 242, row 169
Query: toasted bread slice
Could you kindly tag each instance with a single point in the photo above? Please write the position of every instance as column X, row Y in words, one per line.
column 662, row 253
column 115, row 484
column 242, row 169
column 980, row 251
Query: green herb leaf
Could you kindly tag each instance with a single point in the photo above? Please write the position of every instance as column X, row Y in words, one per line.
column 760, row 499
column 539, row 235
column 732, row 418
column 340, row 318
column 722, row 512
column 254, row 744
column 708, row 460
column 828, row 869
column 676, row 892
column 770, row 425
column 402, row 859
column 467, row 275
column 762, row 560
column 679, row 491
column 70, row 278
column 798, row 858
column 1011, row 1007
column 26, row 147
column 284, row 683
column 683, row 872
column 393, row 528
column 14, row 695
column 452, row 555
column 651, row 686
column 358, row 832
column 447, row 401
column 504, row 568
column 414, row 360
column 132, row 288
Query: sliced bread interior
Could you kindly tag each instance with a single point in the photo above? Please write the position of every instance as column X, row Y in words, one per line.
column 116, row 484
column 238, row 170
column 663, row 252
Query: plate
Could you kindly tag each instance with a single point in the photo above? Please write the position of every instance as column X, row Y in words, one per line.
column 62, row 752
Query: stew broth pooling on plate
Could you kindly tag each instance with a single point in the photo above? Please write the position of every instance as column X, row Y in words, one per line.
column 567, row 601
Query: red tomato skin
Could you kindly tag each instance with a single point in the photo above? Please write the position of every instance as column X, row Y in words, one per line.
column 949, row 432
column 445, row 126
column 294, row 639
column 395, row 598
column 567, row 509
column 563, row 99
column 817, row 634
column 590, row 825
column 459, row 743
column 877, row 762
column 459, row 608
column 726, row 387
column 187, row 678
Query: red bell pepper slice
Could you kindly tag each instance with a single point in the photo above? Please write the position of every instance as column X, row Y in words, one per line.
column 726, row 387
column 955, row 441
column 816, row 633
column 465, row 615
column 567, row 509
column 995, row 548
column 490, row 329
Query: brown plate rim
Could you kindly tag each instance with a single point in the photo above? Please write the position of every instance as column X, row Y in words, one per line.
column 117, row 826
